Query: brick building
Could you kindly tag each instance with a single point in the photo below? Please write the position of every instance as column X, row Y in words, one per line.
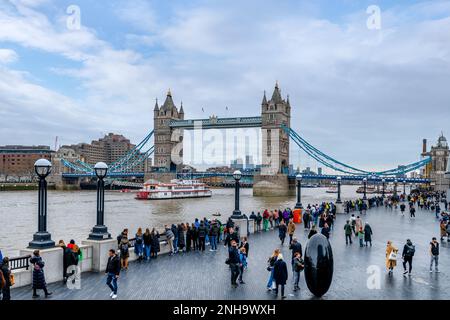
column 18, row 161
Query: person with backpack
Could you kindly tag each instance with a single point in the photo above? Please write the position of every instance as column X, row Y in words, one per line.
column 434, row 253
column 170, row 236
column 76, row 250
column 259, row 219
column 282, row 229
column 124, row 248
column 298, row 265
column 408, row 253
column 112, row 272
column 38, row 282
column 348, row 232
column 6, row 279
column 68, row 259
column 202, row 236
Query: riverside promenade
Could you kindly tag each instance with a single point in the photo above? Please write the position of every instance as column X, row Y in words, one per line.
column 205, row 276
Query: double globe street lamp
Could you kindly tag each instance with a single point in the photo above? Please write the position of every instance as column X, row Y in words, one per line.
column 100, row 231
column 42, row 239
column 299, row 178
column 237, row 175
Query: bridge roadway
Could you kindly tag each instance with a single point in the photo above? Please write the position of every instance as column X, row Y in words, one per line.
column 205, row 276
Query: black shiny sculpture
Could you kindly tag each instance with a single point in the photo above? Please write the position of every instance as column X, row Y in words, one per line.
column 318, row 265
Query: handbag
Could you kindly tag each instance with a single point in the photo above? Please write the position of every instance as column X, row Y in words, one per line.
column 393, row 256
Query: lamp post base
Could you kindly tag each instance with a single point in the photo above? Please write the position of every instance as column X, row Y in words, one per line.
column 237, row 214
column 99, row 233
column 298, row 206
column 41, row 240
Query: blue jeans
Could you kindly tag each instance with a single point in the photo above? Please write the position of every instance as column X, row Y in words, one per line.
column 206, row 239
column 147, row 250
column 175, row 244
column 111, row 281
column 213, row 243
column 139, row 250
column 270, row 282
column 296, row 278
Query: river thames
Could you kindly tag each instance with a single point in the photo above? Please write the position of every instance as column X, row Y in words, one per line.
column 72, row 214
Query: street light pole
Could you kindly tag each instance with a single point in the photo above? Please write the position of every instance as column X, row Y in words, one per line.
column 395, row 187
column 384, row 187
column 404, row 188
column 298, row 178
column 42, row 239
column 339, row 190
column 100, row 231
column 365, row 188
column 236, row 213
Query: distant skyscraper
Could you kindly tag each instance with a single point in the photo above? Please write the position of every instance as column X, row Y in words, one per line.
column 249, row 162
column 319, row 171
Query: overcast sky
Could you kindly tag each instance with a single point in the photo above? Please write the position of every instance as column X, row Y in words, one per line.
column 365, row 96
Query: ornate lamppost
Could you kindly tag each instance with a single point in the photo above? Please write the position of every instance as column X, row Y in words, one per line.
column 339, row 190
column 100, row 231
column 395, row 187
column 42, row 239
column 384, row 188
column 365, row 188
column 236, row 213
column 404, row 187
column 299, row 178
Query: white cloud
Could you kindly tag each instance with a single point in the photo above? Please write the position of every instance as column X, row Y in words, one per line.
column 8, row 56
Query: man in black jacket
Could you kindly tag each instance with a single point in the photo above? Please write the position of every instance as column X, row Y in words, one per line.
column 234, row 262
column 231, row 236
column 4, row 268
column 295, row 246
column 113, row 271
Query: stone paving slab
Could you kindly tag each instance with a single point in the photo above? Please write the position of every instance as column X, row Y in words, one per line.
column 198, row 275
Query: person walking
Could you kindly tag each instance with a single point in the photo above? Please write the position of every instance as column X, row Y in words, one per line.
column 38, row 275
column 407, row 255
column 361, row 237
column 280, row 275
column 434, row 253
column 139, row 244
column 266, row 220
column 291, row 230
column 231, row 236
column 242, row 264
column 112, row 272
column 270, row 264
column 412, row 212
column 348, row 228
column 124, row 248
column 214, row 236
column 234, row 262
column 7, row 279
column 368, row 234
column 298, row 265
column 391, row 257
column 443, row 229
column 402, row 208
column 282, row 229
column 295, row 247
column 147, row 238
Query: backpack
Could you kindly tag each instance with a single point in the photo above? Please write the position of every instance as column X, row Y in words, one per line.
column 411, row 251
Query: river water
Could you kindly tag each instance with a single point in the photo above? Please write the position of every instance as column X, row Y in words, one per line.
column 71, row 215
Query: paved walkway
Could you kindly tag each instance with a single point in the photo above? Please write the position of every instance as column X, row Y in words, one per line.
column 205, row 275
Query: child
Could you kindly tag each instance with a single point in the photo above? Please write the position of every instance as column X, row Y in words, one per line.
column 361, row 237
column 243, row 264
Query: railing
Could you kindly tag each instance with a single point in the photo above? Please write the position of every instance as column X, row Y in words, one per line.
column 162, row 240
column 22, row 262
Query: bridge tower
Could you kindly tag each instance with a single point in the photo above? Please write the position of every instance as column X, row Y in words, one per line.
column 164, row 141
column 273, row 180
column 439, row 160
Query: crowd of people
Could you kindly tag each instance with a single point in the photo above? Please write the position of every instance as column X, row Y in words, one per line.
column 210, row 233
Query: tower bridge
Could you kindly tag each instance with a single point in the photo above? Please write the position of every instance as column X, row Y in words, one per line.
column 276, row 132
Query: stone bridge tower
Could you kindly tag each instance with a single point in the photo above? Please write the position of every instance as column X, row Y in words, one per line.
column 163, row 133
column 273, row 180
